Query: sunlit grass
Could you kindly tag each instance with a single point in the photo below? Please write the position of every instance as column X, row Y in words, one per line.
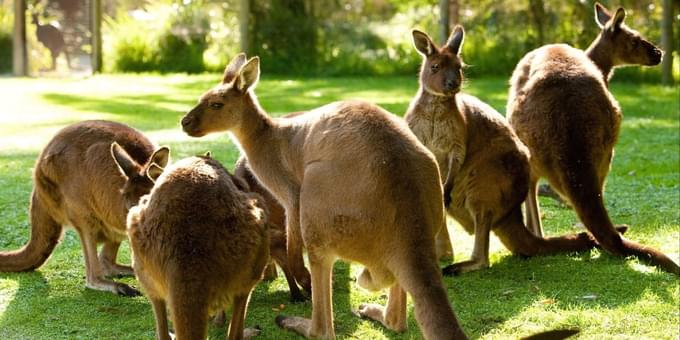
column 606, row 297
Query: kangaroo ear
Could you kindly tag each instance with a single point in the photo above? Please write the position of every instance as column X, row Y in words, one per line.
column 207, row 154
column 231, row 70
column 153, row 172
column 602, row 15
column 456, row 38
column 618, row 18
column 248, row 75
column 127, row 166
column 161, row 156
column 423, row 43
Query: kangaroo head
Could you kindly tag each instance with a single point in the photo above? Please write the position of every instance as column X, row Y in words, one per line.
column 441, row 73
column 139, row 178
column 221, row 108
column 625, row 45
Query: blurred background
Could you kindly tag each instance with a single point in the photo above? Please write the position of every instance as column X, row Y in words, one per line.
column 308, row 37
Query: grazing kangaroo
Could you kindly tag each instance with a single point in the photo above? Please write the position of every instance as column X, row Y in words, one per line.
column 561, row 108
column 487, row 165
column 200, row 244
column 356, row 184
column 53, row 39
column 77, row 183
column 277, row 231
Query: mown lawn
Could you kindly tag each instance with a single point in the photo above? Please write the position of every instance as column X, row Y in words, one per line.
column 605, row 297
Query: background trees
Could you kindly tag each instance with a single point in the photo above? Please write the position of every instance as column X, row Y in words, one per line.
column 353, row 37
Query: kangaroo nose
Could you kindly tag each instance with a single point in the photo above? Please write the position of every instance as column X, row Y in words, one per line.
column 186, row 121
column 450, row 85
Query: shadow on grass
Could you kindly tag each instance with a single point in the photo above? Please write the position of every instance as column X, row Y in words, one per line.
column 485, row 299
column 39, row 305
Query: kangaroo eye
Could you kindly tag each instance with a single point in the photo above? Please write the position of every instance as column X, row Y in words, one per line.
column 216, row 105
column 434, row 68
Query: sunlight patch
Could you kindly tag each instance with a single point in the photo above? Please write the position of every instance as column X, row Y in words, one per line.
column 8, row 289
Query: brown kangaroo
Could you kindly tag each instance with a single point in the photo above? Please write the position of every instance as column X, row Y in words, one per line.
column 200, row 244
column 561, row 108
column 355, row 184
column 487, row 165
column 77, row 183
column 53, row 39
column 277, row 231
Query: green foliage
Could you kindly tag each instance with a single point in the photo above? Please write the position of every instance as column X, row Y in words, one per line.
column 606, row 297
column 6, row 25
column 172, row 39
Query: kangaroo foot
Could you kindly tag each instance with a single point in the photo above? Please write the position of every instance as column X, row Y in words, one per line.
column 464, row 267
column 251, row 332
column 114, row 287
column 295, row 323
column 117, row 270
column 376, row 312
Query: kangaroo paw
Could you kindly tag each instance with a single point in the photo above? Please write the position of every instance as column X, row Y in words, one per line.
column 125, row 290
column 463, row 267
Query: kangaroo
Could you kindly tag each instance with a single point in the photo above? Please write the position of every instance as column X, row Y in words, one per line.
column 200, row 244
column 487, row 166
column 277, row 231
column 76, row 182
column 53, row 39
column 355, row 184
column 560, row 106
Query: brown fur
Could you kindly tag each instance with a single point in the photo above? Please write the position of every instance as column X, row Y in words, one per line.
column 356, row 184
column 277, row 231
column 200, row 244
column 561, row 108
column 77, row 183
column 487, row 165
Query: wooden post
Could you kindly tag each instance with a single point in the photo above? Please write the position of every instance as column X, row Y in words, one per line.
column 19, row 55
column 443, row 20
column 96, row 20
column 667, row 42
column 244, row 25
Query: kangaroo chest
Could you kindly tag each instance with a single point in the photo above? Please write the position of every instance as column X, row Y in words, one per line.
column 437, row 131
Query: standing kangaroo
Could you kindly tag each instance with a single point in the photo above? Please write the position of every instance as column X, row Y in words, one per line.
column 277, row 231
column 561, row 108
column 77, row 183
column 200, row 244
column 355, row 184
column 52, row 38
column 487, row 165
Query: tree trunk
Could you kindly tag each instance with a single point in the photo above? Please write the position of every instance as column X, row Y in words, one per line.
column 454, row 13
column 667, row 42
column 96, row 19
column 19, row 56
column 244, row 25
column 443, row 20
column 537, row 11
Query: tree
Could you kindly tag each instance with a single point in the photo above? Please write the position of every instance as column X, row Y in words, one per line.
column 667, row 42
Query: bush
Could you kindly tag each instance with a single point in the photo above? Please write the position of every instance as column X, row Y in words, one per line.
column 165, row 38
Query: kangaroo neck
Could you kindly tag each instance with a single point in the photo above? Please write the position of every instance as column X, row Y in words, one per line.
column 601, row 56
column 434, row 105
column 256, row 129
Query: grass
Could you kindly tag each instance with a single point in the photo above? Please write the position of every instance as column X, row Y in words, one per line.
column 605, row 297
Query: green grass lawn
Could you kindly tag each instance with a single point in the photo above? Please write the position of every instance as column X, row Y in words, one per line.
column 605, row 297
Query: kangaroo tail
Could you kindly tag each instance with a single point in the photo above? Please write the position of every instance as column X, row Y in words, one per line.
column 519, row 240
column 588, row 203
column 45, row 234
